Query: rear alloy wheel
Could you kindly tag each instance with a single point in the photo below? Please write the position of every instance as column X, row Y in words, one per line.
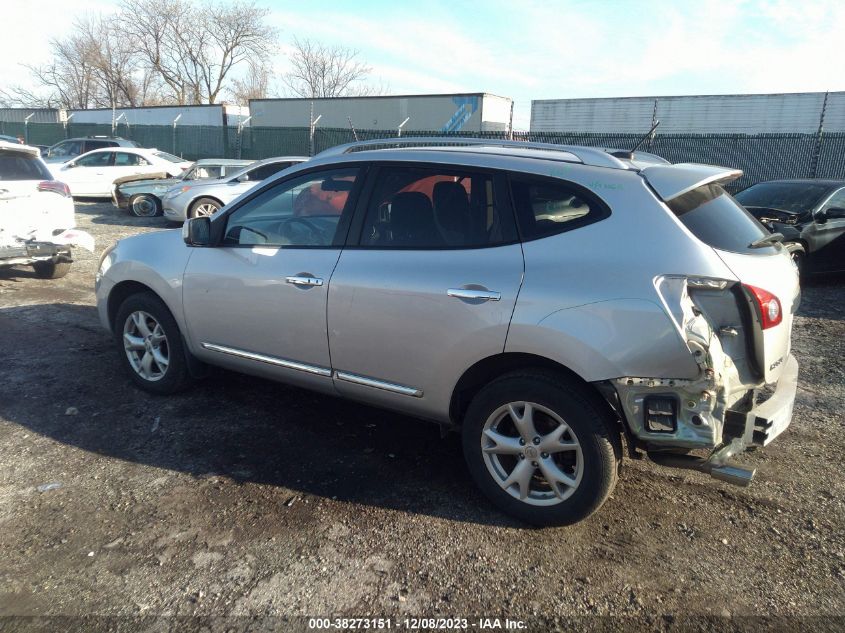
column 144, row 206
column 150, row 344
column 51, row 270
column 204, row 206
column 541, row 448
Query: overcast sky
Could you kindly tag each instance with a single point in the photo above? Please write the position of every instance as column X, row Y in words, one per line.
column 532, row 50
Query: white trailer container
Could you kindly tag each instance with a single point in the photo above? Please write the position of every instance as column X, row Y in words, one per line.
column 474, row 112
column 36, row 115
column 744, row 114
column 213, row 115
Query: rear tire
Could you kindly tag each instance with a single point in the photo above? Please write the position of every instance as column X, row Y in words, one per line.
column 560, row 471
column 144, row 206
column 150, row 346
column 204, row 206
column 51, row 270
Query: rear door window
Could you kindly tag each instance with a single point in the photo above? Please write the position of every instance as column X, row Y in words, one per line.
column 431, row 208
column 265, row 171
column 15, row 166
column 714, row 217
column 100, row 159
column 125, row 159
column 89, row 145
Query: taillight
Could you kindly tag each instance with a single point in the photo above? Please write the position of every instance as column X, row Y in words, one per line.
column 769, row 306
column 55, row 186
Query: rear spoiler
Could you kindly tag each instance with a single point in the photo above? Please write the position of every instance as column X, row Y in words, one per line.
column 671, row 181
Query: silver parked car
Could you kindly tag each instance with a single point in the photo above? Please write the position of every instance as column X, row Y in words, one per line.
column 547, row 301
column 190, row 200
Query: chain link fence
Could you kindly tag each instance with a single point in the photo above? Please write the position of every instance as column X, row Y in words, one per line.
column 761, row 156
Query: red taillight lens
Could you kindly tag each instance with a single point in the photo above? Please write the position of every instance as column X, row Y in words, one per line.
column 769, row 305
column 55, row 186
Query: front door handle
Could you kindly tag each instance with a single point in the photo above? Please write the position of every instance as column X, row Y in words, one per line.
column 297, row 280
column 470, row 293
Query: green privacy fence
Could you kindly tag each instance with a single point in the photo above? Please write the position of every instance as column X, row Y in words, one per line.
column 760, row 156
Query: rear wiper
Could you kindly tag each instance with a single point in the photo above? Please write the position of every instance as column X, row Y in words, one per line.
column 765, row 241
column 785, row 211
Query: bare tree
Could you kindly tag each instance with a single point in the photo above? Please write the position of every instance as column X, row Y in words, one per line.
column 95, row 66
column 319, row 71
column 195, row 49
column 255, row 84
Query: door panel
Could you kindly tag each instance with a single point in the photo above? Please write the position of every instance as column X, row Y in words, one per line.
column 242, row 312
column 391, row 318
column 827, row 239
column 428, row 292
column 257, row 302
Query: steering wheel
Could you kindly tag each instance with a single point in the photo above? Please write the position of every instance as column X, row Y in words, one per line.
column 315, row 231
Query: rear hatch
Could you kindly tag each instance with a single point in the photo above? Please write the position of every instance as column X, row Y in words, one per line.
column 25, row 210
column 770, row 290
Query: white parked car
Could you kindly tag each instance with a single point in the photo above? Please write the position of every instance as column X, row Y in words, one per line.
column 36, row 214
column 93, row 173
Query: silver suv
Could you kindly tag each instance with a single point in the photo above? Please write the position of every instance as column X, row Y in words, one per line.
column 546, row 301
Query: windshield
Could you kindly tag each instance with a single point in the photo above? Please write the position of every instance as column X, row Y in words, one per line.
column 67, row 148
column 794, row 197
column 170, row 157
column 714, row 217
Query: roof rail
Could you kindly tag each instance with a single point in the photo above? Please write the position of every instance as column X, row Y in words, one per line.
column 594, row 156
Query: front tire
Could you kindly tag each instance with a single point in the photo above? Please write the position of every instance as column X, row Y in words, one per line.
column 541, row 447
column 150, row 345
column 204, row 206
column 51, row 270
column 144, row 206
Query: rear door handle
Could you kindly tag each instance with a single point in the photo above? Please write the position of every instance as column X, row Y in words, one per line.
column 304, row 281
column 467, row 293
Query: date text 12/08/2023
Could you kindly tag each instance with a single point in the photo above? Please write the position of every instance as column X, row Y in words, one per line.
column 425, row 624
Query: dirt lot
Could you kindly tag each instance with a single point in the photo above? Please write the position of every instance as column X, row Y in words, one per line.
column 249, row 498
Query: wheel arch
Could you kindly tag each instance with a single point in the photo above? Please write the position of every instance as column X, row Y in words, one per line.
column 490, row 368
column 125, row 289
column 201, row 197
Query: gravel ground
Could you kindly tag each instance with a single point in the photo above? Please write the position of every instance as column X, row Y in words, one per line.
column 249, row 498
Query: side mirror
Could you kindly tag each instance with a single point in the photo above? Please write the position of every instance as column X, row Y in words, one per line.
column 834, row 213
column 241, row 178
column 197, row 231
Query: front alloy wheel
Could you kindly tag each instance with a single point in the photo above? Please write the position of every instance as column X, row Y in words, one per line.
column 146, row 346
column 150, row 344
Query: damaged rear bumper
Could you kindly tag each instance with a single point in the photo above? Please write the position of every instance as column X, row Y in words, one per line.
column 31, row 252
column 769, row 419
column 726, row 433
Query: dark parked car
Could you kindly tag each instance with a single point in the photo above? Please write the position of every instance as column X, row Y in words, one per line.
column 142, row 194
column 810, row 214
